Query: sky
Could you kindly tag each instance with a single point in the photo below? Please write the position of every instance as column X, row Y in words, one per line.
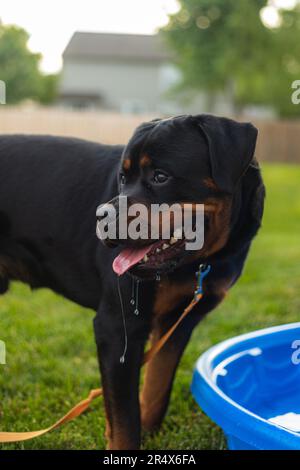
column 51, row 23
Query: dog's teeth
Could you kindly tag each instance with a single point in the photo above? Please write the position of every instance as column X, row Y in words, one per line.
column 178, row 233
column 165, row 246
column 158, row 250
column 173, row 240
column 145, row 259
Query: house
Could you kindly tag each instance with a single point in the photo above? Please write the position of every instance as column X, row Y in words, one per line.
column 120, row 72
column 132, row 73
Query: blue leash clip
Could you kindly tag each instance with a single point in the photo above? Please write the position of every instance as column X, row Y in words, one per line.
column 201, row 274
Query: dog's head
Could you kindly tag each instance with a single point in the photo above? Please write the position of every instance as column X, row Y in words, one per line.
column 187, row 161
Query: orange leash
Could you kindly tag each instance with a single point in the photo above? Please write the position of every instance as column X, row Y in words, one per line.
column 78, row 409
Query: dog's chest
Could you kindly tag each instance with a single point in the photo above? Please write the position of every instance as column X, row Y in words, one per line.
column 170, row 295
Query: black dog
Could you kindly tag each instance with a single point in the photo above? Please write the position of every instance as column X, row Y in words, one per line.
column 50, row 188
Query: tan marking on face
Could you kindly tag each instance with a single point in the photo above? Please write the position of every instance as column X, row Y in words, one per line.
column 175, row 216
column 219, row 213
column 145, row 160
column 126, row 164
column 193, row 207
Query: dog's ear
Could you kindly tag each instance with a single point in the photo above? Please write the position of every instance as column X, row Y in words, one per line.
column 231, row 148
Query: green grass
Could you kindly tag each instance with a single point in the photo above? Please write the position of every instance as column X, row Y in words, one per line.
column 51, row 357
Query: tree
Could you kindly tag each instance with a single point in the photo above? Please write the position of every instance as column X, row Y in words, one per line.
column 224, row 45
column 49, row 86
column 19, row 68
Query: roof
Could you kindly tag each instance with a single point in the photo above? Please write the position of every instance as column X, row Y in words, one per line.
column 110, row 45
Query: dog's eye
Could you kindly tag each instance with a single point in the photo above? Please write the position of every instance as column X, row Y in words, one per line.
column 160, row 177
column 122, row 179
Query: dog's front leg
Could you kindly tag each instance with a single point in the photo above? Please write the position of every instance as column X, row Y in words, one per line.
column 161, row 370
column 120, row 380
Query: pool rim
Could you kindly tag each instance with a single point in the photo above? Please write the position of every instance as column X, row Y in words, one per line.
column 234, row 419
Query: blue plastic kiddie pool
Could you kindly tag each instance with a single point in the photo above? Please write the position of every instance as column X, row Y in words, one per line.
column 250, row 386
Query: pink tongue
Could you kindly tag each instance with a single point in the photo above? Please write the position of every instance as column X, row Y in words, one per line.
column 128, row 258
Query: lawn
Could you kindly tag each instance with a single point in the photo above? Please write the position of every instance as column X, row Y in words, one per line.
column 51, row 357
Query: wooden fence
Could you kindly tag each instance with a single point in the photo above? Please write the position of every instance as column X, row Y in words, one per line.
column 279, row 141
